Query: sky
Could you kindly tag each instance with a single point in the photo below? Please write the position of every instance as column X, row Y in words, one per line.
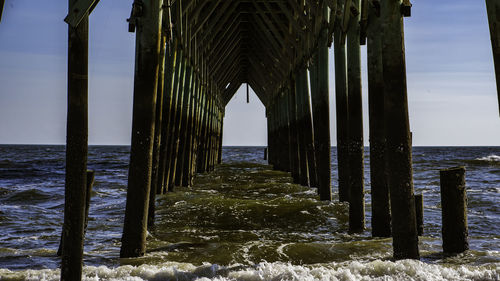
column 451, row 83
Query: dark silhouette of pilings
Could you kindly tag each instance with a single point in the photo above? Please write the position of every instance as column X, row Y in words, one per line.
column 76, row 151
column 355, row 121
column 493, row 10
column 143, row 120
column 381, row 216
column 321, row 115
column 399, row 159
column 342, row 114
column 454, row 210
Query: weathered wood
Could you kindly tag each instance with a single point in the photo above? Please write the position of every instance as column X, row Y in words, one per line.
column 355, row 120
column 454, row 210
column 145, row 84
column 399, row 158
column 79, row 10
column 157, row 132
column 493, row 10
column 76, row 151
column 342, row 114
column 291, row 105
column 381, row 215
column 321, row 117
column 307, row 132
column 219, row 159
column 168, row 106
column 2, row 3
column 184, row 123
column 419, row 211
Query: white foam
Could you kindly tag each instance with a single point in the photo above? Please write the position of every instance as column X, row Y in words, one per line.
column 490, row 158
column 352, row 270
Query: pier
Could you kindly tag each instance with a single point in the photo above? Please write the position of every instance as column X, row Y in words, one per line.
column 191, row 58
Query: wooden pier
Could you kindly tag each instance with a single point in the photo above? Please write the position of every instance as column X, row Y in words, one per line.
column 191, row 58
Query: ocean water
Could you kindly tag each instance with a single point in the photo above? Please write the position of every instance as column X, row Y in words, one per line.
column 244, row 221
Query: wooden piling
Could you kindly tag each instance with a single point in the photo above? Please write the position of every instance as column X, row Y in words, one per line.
column 454, row 210
column 419, row 211
column 183, row 145
column 342, row 114
column 169, row 104
column 145, row 83
column 321, row 116
column 307, row 127
column 88, row 196
column 493, row 10
column 219, row 159
column 291, row 105
column 355, row 121
column 76, row 151
column 399, row 159
column 381, row 216
column 157, row 132
column 300, row 88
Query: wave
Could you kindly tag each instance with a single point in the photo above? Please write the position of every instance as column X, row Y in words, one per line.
column 354, row 270
column 490, row 158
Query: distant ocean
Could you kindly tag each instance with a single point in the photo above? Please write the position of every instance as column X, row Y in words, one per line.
column 242, row 222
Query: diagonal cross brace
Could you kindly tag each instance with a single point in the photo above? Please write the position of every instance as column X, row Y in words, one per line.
column 2, row 2
column 78, row 11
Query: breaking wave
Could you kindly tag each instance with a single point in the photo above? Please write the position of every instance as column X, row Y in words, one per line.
column 353, row 270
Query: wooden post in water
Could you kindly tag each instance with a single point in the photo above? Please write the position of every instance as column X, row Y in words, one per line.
column 454, row 210
column 219, row 159
column 184, row 123
column 157, row 132
column 399, row 163
column 307, row 130
column 355, row 121
column 300, row 85
column 419, row 211
column 169, row 103
column 76, row 150
column 291, row 105
column 341, row 113
column 321, row 116
column 493, row 10
column 381, row 215
column 145, row 84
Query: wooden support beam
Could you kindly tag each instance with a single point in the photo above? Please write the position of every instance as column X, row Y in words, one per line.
column 381, row 215
column 157, row 132
column 213, row 6
column 307, row 130
column 145, row 86
column 493, row 10
column 300, row 84
column 291, row 105
column 321, row 117
column 399, row 163
column 356, row 147
column 80, row 10
column 342, row 114
column 2, row 3
column 76, row 151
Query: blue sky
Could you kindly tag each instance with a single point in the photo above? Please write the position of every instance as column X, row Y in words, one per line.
column 451, row 83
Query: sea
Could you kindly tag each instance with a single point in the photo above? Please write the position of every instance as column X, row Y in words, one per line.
column 244, row 221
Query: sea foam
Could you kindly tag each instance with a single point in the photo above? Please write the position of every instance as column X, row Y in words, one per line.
column 490, row 158
column 353, row 270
